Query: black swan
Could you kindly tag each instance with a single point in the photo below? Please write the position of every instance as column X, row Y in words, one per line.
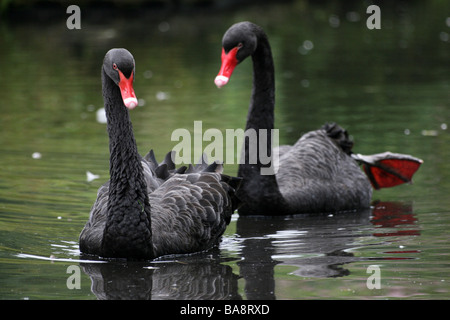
column 319, row 172
column 146, row 209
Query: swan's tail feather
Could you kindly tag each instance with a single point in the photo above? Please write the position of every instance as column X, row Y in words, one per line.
column 202, row 163
column 214, row 167
column 168, row 159
column 167, row 169
column 339, row 135
column 167, row 166
column 162, row 171
column 181, row 170
column 388, row 169
column 150, row 157
column 190, row 169
column 234, row 183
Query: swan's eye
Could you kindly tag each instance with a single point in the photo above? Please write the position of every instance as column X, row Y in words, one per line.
column 115, row 66
column 240, row 45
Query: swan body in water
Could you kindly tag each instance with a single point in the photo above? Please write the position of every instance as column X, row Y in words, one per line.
column 318, row 173
column 149, row 209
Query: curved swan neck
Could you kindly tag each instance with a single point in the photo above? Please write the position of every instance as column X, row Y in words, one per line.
column 128, row 222
column 262, row 103
column 261, row 190
column 124, row 157
column 260, row 117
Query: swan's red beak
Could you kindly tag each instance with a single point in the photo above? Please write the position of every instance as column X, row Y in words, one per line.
column 127, row 91
column 229, row 62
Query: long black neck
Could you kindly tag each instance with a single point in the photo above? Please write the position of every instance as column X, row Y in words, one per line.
column 128, row 225
column 262, row 103
column 260, row 116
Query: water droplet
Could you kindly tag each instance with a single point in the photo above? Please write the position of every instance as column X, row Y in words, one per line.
column 91, row 177
column 101, row 115
column 160, row 96
column 352, row 16
column 429, row 133
column 334, row 21
column 148, row 74
column 444, row 36
column 36, row 155
column 308, row 45
column 164, row 26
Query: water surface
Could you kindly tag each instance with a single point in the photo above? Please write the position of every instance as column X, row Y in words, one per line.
column 388, row 87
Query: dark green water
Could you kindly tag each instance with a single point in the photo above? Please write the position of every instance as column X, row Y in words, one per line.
column 389, row 88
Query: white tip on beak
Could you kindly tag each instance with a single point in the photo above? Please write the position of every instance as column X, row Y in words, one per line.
column 130, row 103
column 220, row 81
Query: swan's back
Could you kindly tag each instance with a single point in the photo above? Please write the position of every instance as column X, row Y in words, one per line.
column 91, row 237
column 190, row 213
column 316, row 175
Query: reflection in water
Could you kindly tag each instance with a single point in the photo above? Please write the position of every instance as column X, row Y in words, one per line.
column 315, row 245
column 318, row 246
column 394, row 215
column 389, row 87
column 187, row 279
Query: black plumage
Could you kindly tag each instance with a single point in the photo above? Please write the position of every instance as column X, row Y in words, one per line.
column 149, row 209
column 317, row 173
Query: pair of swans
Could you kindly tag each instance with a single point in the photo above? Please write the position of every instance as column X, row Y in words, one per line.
column 149, row 209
